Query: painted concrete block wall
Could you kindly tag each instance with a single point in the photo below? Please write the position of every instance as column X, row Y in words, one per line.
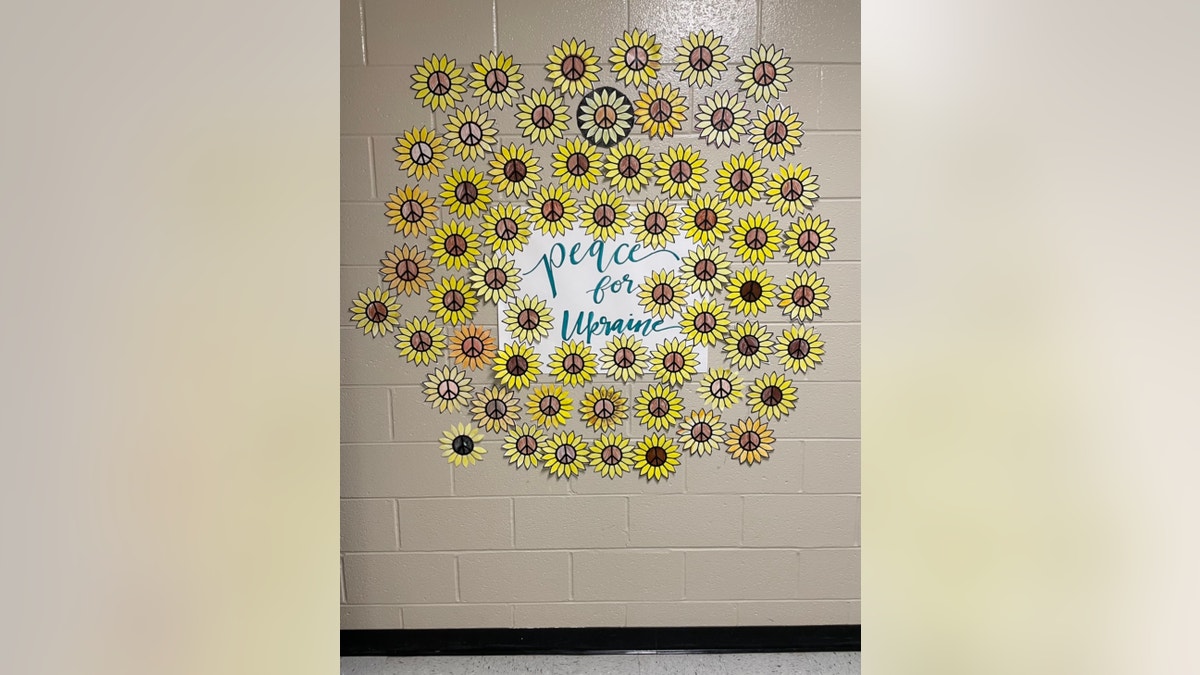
column 429, row 545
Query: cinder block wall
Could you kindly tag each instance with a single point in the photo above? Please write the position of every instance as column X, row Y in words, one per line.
column 428, row 545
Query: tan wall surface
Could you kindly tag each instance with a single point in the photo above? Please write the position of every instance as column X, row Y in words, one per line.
column 429, row 545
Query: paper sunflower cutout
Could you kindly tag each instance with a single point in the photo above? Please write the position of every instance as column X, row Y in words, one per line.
column 611, row 456
column 473, row 348
column 455, row 245
column 605, row 215
column 573, row 67
column 799, row 348
column 748, row 345
column 660, row 111
column 495, row 278
column 576, row 164
column 439, row 83
column 528, row 319
column 411, row 211
column 751, row 291
column 656, row 457
column 629, row 166
column 741, row 179
column 674, row 361
column 656, row 223
column 764, row 73
column 705, row 322
column 375, row 311
column 514, row 170
column 542, row 116
column 470, row 133
column 466, row 193
column 461, row 445
column 447, row 389
column 662, row 294
column 421, row 341
column 658, row 407
column 722, row 119
column 803, row 296
column 496, row 80
column 700, row 432
column 567, row 455
column 506, row 228
column 524, row 445
column 636, row 58
column 749, row 441
column 605, row 116
column 603, row 409
column 516, row 365
column 573, row 363
column 772, row 396
column 495, row 409
column 706, row 270
column 421, row 153
column 791, row 189
column 809, row 241
column 553, row 210
column 406, row 269
column 776, row 132
column 550, row 406
column 756, row 238
column 701, row 58
column 707, row 219
column 624, row 357
column 453, row 300
column 680, row 171
column 720, row 388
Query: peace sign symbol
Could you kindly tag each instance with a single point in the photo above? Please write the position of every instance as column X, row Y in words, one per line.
column 636, row 58
column 611, row 455
column 439, row 83
column 495, row 409
column 701, row 431
column 704, row 322
column 750, row 291
column 681, row 171
column 565, row 454
column 552, row 210
column 472, row 347
column 549, row 405
column 772, row 395
column 573, row 364
column 577, row 164
column 776, row 132
column 421, row 341
column 741, row 180
column 470, row 133
column 808, row 241
column 705, row 220
column 454, row 300
column 572, row 67
column 412, row 210
column 624, row 357
column 701, row 58
column 720, row 388
column 528, row 319
column 792, row 189
column 462, row 445
column 659, row 406
column 656, row 456
column 663, row 294
column 721, row 119
column 656, row 223
column 629, row 166
column 543, row 116
column 407, row 270
column 456, row 244
column 466, row 192
column 704, row 270
column 421, row 153
column 516, row 365
column 660, row 110
column 448, row 390
column 496, row 80
column 756, row 238
column 515, row 170
column 377, row 311
column 527, row 445
column 798, row 348
column 604, row 215
column 605, row 116
column 604, row 409
column 673, row 362
column 803, row 296
column 506, row 229
column 495, row 278
column 764, row 73
column 748, row 345
column 749, row 441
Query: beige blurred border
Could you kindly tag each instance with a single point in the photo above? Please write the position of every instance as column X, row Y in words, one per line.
column 170, row 365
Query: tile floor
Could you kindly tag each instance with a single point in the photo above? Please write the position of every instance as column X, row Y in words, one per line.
column 817, row 663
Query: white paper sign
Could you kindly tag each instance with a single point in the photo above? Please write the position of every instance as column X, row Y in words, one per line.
column 591, row 289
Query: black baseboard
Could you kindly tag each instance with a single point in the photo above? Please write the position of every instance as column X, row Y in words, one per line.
column 706, row 640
